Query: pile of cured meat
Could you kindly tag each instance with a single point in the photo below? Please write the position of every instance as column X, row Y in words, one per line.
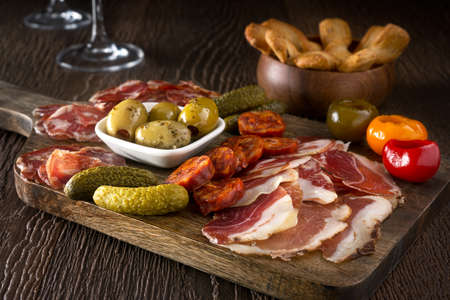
column 55, row 165
column 321, row 197
column 77, row 121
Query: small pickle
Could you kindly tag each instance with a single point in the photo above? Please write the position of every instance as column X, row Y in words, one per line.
column 124, row 118
column 163, row 134
column 200, row 113
column 348, row 119
column 146, row 201
column 164, row 111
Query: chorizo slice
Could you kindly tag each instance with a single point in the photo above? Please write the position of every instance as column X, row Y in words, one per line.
column 261, row 123
column 247, row 148
column 193, row 173
column 217, row 195
column 224, row 160
column 279, row 145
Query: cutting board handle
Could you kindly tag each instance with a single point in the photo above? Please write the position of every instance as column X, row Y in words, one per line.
column 16, row 107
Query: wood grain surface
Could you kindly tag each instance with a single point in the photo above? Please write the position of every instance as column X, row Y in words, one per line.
column 49, row 258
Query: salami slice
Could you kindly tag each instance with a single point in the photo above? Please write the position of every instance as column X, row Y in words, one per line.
column 193, row 173
column 55, row 165
column 29, row 163
column 75, row 121
column 248, row 149
column 224, row 161
column 279, row 145
column 217, row 195
column 262, row 123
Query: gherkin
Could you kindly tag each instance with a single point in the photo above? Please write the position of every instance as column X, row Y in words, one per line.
column 240, row 100
column 153, row 200
column 83, row 184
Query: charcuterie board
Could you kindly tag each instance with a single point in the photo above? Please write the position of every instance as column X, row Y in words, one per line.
column 178, row 236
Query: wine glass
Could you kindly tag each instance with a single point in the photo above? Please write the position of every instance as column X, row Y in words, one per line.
column 58, row 16
column 100, row 54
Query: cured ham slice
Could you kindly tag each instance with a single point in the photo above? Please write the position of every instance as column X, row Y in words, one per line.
column 359, row 173
column 74, row 121
column 311, row 145
column 56, row 164
column 315, row 184
column 269, row 214
column 151, row 91
column 363, row 231
column 315, row 224
column 63, row 164
column 105, row 100
column 270, row 166
column 29, row 163
column 255, row 187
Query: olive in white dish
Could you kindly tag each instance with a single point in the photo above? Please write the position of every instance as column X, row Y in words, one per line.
column 163, row 134
column 124, row 118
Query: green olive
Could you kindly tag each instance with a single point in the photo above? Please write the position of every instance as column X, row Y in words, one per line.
column 125, row 117
column 164, row 111
column 348, row 119
column 200, row 113
column 163, row 134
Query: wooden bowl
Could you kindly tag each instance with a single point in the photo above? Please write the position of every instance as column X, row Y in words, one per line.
column 310, row 92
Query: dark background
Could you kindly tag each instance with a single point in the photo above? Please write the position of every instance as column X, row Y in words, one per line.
column 45, row 257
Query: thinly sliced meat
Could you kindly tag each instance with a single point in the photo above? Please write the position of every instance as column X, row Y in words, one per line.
column 41, row 114
column 73, row 121
column 315, row 184
column 105, row 100
column 316, row 223
column 29, row 163
column 311, row 146
column 65, row 160
column 363, row 231
column 359, row 173
column 104, row 155
column 63, row 164
column 264, row 185
column 270, row 166
column 268, row 215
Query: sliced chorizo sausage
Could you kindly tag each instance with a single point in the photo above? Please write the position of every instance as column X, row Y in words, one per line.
column 247, row 148
column 224, row 160
column 217, row 195
column 193, row 173
column 261, row 123
column 279, row 146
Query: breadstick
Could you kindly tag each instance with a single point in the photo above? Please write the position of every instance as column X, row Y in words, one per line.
column 317, row 60
column 293, row 34
column 281, row 47
column 386, row 47
column 336, row 36
column 255, row 35
column 369, row 37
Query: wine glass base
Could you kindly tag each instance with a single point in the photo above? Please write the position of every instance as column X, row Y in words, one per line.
column 67, row 20
column 115, row 57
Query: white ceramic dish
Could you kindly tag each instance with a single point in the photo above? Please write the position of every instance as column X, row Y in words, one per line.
column 152, row 156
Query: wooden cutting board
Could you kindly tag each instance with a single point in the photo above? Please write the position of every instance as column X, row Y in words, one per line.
column 178, row 236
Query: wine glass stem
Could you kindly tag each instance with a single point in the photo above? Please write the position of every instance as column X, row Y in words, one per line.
column 98, row 33
column 57, row 6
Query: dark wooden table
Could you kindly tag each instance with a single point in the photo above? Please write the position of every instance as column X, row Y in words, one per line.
column 45, row 257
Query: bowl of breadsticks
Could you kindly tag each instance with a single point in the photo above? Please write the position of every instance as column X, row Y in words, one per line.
column 310, row 73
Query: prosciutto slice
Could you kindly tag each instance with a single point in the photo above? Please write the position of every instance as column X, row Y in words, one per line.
column 315, row 224
column 270, row 166
column 315, row 184
column 269, row 214
column 254, row 187
column 311, row 145
column 363, row 231
column 357, row 172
